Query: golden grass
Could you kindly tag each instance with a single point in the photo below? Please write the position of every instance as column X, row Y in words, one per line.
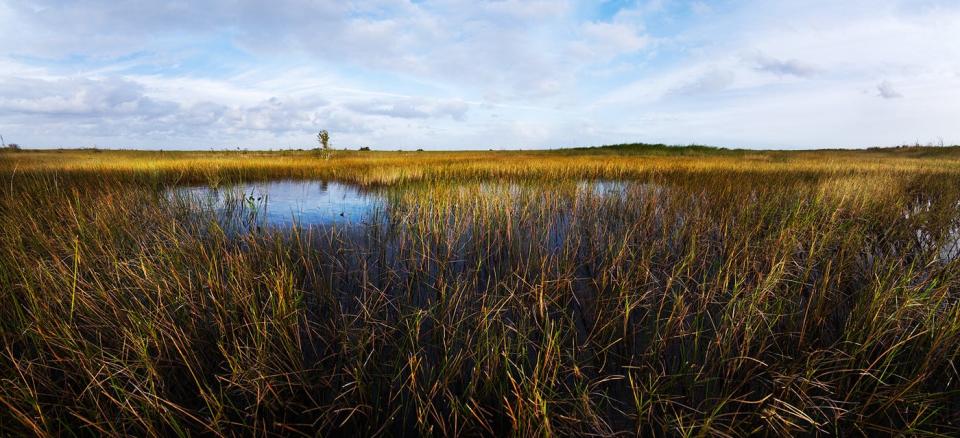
column 720, row 294
column 393, row 167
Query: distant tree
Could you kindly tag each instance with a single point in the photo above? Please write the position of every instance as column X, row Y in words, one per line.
column 323, row 137
column 419, row 150
column 365, row 149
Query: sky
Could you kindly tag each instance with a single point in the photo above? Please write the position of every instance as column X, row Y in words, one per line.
column 473, row 74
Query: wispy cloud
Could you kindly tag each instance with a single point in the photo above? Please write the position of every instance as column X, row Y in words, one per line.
column 784, row 67
column 711, row 81
column 408, row 108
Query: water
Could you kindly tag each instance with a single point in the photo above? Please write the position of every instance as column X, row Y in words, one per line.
column 283, row 203
column 312, row 202
column 318, row 203
column 948, row 246
column 618, row 188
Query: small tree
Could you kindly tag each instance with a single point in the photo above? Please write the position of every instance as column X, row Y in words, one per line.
column 324, row 139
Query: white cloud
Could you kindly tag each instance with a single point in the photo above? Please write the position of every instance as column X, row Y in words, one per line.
column 801, row 82
column 78, row 97
column 409, row 108
column 457, row 73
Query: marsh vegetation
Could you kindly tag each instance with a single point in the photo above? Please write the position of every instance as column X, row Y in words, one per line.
column 629, row 290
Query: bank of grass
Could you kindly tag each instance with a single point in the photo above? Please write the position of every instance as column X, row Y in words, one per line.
column 721, row 294
column 388, row 168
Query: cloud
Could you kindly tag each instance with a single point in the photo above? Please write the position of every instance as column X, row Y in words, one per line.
column 789, row 67
column 606, row 40
column 711, row 81
column 456, row 73
column 886, row 90
column 79, row 107
column 409, row 108
column 500, row 45
column 79, row 97
column 507, row 46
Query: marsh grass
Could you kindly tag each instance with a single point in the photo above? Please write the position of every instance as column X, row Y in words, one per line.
column 493, row 294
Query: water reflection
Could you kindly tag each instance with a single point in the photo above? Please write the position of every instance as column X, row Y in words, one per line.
column 284, row 203
column 312, row 202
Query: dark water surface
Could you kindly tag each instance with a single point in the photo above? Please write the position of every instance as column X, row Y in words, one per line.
column 286, row 203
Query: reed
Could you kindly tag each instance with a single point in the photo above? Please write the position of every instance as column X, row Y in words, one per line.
column 716, row 293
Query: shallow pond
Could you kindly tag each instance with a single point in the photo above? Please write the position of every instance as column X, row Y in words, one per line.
column 313, row 202
column 284, row 203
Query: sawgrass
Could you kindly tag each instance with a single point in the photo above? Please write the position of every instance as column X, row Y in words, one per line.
column 716, row 293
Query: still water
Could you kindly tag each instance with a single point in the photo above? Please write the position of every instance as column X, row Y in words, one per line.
column 314, row 202
column 283, row 203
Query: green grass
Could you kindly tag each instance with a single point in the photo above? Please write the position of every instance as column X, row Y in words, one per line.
column 649, row 149
column 727, row 293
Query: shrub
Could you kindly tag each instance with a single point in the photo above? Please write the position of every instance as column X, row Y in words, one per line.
column 323, row 137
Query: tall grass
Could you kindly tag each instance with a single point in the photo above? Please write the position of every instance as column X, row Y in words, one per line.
column 705, row 296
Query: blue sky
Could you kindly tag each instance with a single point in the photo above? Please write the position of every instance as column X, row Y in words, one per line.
column 452, row 74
